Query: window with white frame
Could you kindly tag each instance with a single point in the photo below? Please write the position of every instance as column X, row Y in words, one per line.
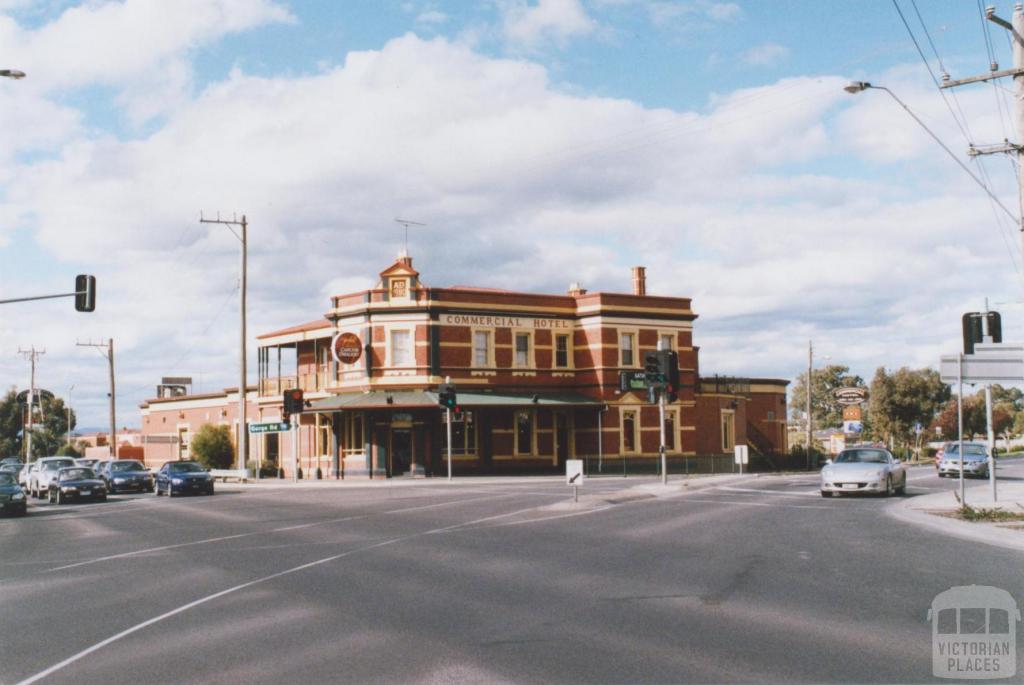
column 401, row 348
column 666, row 341
column 728, row 431
column 482, row 348
column 523, row 345
column 562, row 350
column 463, row 435
column 627, row 354
column 352, row 430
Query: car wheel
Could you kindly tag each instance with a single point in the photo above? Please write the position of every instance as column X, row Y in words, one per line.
column 103, row 498
column 902, row 490
column 888, row 486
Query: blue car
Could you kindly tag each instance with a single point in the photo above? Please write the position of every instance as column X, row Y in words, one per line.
column 12, row 497
column 183, row 478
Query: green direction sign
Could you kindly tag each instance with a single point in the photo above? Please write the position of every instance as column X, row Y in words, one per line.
column 632, row 380
column 274, row 427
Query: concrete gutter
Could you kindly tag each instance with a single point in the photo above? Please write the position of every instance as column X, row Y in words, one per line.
column 933, row 512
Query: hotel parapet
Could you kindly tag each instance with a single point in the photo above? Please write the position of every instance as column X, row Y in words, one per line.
column 537, row 380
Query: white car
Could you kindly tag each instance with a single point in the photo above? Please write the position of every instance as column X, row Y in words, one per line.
column 45, row 471
column 863, row 470
column 26, row 474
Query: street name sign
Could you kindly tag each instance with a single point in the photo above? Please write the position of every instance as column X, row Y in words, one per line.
column 273, row 427
column 632, row 380
column 990, row 363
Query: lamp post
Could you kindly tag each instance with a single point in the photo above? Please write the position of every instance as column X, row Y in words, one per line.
column 69, row 414
column 854, row 87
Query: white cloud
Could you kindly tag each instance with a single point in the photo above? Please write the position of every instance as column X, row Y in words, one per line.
column 549, row 20
column 765, row 55
column 773, row 208
column 136, row 46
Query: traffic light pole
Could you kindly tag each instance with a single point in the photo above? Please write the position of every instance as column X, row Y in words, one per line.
column 661, row 426
column 448, row 415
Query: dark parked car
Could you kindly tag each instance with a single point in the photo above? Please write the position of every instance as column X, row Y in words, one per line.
column 76, row 483
column 183, row 477
column 126, row 475
column 12, row 497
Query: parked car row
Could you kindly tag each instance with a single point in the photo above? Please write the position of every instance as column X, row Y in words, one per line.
column 61, row 479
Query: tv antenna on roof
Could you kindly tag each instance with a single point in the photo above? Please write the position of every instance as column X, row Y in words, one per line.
column 407, row 223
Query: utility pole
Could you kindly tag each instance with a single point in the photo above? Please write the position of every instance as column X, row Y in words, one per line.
column 69, row 414
column 31, row 354
column 243, row 429
column 109, row 354
column 1016, row 29
column 810, row 371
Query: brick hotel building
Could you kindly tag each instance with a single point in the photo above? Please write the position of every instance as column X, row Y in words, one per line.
column 537, row 378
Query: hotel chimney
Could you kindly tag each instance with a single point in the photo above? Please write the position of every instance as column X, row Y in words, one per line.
column 639, row 280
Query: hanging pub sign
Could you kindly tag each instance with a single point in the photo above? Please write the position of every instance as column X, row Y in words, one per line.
column 346, row 348
column 850, row 396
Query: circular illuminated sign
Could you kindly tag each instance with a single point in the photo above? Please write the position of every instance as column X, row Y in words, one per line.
column 346, row 348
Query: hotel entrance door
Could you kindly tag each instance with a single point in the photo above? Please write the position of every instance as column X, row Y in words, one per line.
column 401, row 452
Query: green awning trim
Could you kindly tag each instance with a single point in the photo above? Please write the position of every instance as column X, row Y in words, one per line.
column 422, row 399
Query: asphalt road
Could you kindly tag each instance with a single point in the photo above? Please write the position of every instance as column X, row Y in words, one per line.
column 758, row 580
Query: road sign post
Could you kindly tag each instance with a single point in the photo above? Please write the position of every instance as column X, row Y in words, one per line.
column 574, row 476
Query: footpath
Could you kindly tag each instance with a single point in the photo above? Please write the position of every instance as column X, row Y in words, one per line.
column 937, row 512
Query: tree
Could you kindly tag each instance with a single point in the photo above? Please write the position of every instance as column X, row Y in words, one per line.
column 974, row 419
column 826, row 410
column 212, row 446
column 904, row 399
column 49, row 425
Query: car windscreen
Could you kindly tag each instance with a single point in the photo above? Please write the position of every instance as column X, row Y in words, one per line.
column 185, row 467
column 969, row 451
column 58, row 464
column 862, row 457
column 120, row 466
column 80, row 473
column 7, row 479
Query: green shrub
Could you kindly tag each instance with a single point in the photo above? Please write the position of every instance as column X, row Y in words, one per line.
column 212, row 447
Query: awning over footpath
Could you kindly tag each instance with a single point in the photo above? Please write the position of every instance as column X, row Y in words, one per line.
column 424, row 399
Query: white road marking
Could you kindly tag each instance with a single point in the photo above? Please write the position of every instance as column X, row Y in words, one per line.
column 207, row 541
column 203, row 600
column 768, row 492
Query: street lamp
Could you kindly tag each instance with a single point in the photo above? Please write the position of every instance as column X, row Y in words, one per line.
column 854, row 87
column 12, row 73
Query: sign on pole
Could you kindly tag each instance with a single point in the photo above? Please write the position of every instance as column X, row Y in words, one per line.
column 574, row 476
column 742, row 455
column 273, row 427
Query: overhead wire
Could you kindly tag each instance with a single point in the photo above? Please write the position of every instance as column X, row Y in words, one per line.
column 963, row 124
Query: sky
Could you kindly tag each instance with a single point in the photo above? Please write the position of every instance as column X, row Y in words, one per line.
column 541, row 142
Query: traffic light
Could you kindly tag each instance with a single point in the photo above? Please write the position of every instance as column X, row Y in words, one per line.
column 446, row 396
column 85, row 293
column 668, row 367
column 652, row 368
column 972, row 328
column 293, row 402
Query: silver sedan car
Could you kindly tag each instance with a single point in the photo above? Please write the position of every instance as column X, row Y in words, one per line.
column 863, row 470
column 974, row 463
